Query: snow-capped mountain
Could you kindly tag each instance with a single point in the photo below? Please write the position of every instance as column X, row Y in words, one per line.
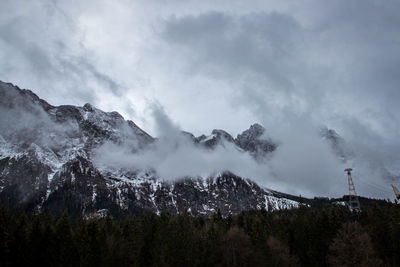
column 46, row 164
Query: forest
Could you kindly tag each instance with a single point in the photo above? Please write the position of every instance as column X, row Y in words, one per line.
column 323, row 236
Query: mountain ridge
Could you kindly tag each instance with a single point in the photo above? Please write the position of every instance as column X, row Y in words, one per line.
column 46, row 164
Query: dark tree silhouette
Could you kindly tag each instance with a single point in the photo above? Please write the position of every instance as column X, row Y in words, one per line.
column 352, row 247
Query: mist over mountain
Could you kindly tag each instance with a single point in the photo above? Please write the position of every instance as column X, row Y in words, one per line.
column 199, row 133
column 300, row 70
column 89, row 160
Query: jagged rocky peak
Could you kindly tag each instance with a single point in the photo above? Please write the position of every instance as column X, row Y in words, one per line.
column 327, row 133
column 337, row 143
column 112, row 124
column 217, row 137
column 65, row 113
column 190, row 136
column 12, row 96
column 100, row 126
column 88, row 107
column 99, row 114
column 95, row 114
column 253, row 141
column 65, row 129
column 254, row 132
column 201, row 138
column 221, row 134
column 46, row 155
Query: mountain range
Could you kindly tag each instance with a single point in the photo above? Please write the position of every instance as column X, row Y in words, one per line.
column 48, row 164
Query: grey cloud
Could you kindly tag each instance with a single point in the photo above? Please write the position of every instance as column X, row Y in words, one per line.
column 264, row 52
column 49, row 60
column 227, row 45
column 36, row 57
column 175, row 156
column 85, row 71
column 24, row 124
column 350, row 49
column 342, row 65
column 291, row 66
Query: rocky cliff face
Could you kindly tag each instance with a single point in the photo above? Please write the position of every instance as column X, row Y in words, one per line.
column 46, row 164
column 252, row 140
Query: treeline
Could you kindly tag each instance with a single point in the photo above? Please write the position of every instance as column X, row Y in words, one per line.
column 330, row 236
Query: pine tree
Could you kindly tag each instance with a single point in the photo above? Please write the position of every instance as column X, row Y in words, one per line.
column 68, row 255
column 279, row 254
column 352, row 247
column 4, row 236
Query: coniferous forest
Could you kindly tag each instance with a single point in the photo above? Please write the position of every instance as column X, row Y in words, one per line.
column 328, row 236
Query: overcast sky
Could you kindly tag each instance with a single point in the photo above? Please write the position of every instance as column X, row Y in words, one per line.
column 289, row 65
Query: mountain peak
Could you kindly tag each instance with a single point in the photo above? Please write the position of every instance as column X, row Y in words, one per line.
column 12, row 96
column 88, row 107
column 56, row 157
column 251, row 140
column 222, row 134
column 254, row 132
column 256, row 129
column 217, row 137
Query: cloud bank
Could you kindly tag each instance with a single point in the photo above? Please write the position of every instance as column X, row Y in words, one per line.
column 290, row 66
column 174, row 155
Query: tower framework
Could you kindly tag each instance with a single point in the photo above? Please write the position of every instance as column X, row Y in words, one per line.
column 354, row 203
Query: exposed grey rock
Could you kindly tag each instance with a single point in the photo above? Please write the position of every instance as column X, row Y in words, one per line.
column 253, row 141
column 217, row 137
column 46, row 165
column 23, row 182
column 337, row 143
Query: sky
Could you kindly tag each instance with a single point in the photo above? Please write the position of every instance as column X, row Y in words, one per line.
column 292, row 66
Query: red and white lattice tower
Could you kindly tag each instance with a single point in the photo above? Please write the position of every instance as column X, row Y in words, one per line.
column 354, row 203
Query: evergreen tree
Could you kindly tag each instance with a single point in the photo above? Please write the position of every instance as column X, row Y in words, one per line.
column 67, row 253
column 352, row 247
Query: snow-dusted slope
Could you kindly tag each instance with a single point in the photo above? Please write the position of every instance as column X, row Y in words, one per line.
column 46, row 164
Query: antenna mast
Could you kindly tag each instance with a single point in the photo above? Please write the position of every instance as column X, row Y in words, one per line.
column 354, row 203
